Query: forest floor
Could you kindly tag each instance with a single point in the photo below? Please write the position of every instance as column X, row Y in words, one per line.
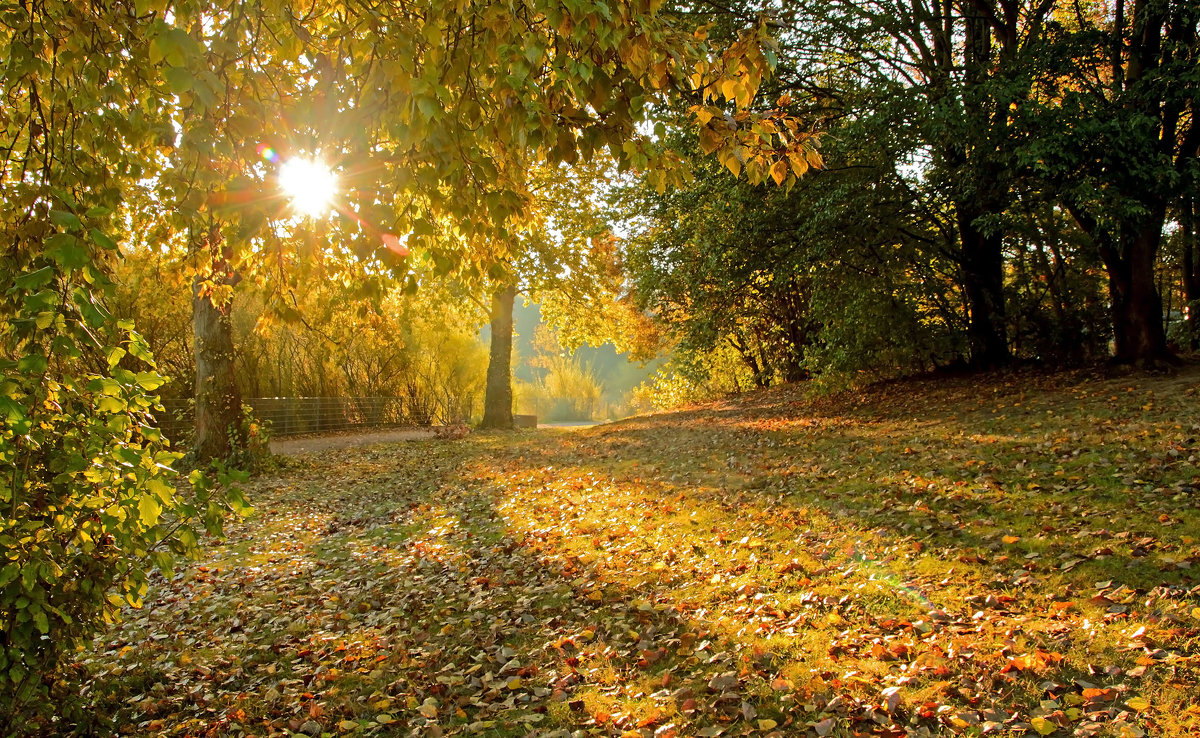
column 1004, row 556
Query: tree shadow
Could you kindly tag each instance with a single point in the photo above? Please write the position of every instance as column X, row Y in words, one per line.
column 386, row 593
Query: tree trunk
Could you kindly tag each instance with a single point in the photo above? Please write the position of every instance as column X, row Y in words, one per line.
column 1191, row 272
column 497, row 400
column 218, row 402
column 1136, row 304
column 219, row 433
column 982, row 263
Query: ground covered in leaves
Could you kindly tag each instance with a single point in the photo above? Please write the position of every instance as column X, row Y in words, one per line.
column 1001, row 557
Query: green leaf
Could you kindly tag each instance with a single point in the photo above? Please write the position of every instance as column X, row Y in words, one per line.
column 101, row 240
column 108, row 404
column 428, row 106
column 114, row 354
column 149, row 510
column 171, row 46
column 33, row 364
column 179, row 79
column 150, row 381
column 164, row 562
column 67, row 250
column 161, row 489
column 9, row 574
column 42, row 622
column 64, row 219
column 35, row 280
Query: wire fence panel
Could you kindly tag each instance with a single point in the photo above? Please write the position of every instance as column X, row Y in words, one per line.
column 290, row 416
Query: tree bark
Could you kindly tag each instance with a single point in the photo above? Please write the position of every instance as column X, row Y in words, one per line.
column 1134, row 301
column 218, row 401
column 982, row 262
column 497, row 402
column 1137, row 313
column 1191, row 272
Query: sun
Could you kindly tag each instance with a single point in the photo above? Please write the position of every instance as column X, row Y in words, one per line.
column 310, row 184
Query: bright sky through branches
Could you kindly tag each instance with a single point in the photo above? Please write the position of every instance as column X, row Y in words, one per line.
column 310, row 184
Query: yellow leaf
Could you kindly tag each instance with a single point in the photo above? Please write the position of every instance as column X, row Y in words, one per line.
column 515, row 683
column 767, row 724
column 1043, row 726
column 729, row 89
column 709, row 140
column 149, row 510
column 1138, row 703
column 745, row 93
column 735, row 166
column 779, row 171
column 1011, row 539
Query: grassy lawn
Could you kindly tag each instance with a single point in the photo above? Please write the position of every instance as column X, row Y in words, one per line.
column 1006, row 556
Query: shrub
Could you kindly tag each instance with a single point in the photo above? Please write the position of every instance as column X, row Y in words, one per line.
column 90, row 501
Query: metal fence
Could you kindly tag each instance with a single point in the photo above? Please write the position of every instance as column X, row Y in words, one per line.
column 290, row 416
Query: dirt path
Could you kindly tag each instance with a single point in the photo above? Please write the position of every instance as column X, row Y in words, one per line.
column 309, row 444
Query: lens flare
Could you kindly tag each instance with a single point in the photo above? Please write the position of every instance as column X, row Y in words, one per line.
column 310, row 184
column 266, row 153
column 393, row 242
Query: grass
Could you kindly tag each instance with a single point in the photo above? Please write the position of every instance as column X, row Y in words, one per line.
column 1007, row 556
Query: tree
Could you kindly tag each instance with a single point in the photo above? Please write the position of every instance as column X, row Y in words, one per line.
column 497, row 403
column 1189, row 264
column 1120, row 135
column 850, row 269
column 435, row 115
column 88, row 503
column 973, row 63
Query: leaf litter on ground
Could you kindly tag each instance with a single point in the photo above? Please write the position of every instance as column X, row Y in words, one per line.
column 1008, row 556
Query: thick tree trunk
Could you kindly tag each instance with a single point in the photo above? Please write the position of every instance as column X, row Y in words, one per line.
column 497, row 400
column 218, row 402
column 982, row 263
column 1137, row 313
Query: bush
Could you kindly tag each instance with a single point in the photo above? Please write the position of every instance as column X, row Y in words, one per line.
column 90, row 501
